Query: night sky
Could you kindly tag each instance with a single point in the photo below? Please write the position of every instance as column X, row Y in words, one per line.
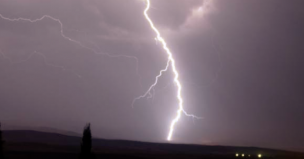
column 240, row 64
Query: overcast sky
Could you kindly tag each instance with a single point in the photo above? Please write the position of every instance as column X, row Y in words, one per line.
column 240, row 64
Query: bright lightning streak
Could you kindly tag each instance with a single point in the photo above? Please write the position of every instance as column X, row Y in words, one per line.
column 148, row 93
column 176, row 78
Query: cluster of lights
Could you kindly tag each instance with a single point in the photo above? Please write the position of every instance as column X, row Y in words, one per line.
column 243, row 155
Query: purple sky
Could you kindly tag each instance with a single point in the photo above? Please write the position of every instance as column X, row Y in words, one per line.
column 240, row 63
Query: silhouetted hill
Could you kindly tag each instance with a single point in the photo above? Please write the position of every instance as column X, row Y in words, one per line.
column 29, row 136
column 19, row 141
column 8, row 127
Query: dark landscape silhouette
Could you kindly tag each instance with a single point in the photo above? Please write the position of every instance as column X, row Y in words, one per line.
column 34, row 144
column 86, row 144
column 181, row 79
column 1, row 143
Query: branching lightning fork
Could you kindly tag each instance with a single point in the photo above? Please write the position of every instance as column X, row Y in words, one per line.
column 176, row 78
column 70, row 39
column 46, row 62
column 151, row 88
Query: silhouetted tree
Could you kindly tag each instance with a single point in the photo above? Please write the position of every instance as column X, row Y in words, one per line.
column 86, row 144
column 1, row 144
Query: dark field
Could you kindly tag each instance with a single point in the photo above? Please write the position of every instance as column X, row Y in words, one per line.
column 33, row 144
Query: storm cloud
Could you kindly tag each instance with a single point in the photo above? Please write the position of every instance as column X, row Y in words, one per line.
column 240, row 64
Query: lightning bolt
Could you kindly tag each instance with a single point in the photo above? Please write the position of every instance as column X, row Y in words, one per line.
column 151, row 88
column 5, row 57
column 121, row 56
column 175, row 72
column 72, row 40
column 42, row 18
column 46, row 62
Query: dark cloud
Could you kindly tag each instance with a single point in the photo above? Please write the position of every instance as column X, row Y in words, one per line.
column 240, row 64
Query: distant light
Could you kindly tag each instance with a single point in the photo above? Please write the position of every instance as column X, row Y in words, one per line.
column 236, row 155
column 248, row 155
column 259, row 155
column 243, row 155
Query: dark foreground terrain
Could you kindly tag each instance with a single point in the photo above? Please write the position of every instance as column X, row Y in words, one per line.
column 33, row 144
